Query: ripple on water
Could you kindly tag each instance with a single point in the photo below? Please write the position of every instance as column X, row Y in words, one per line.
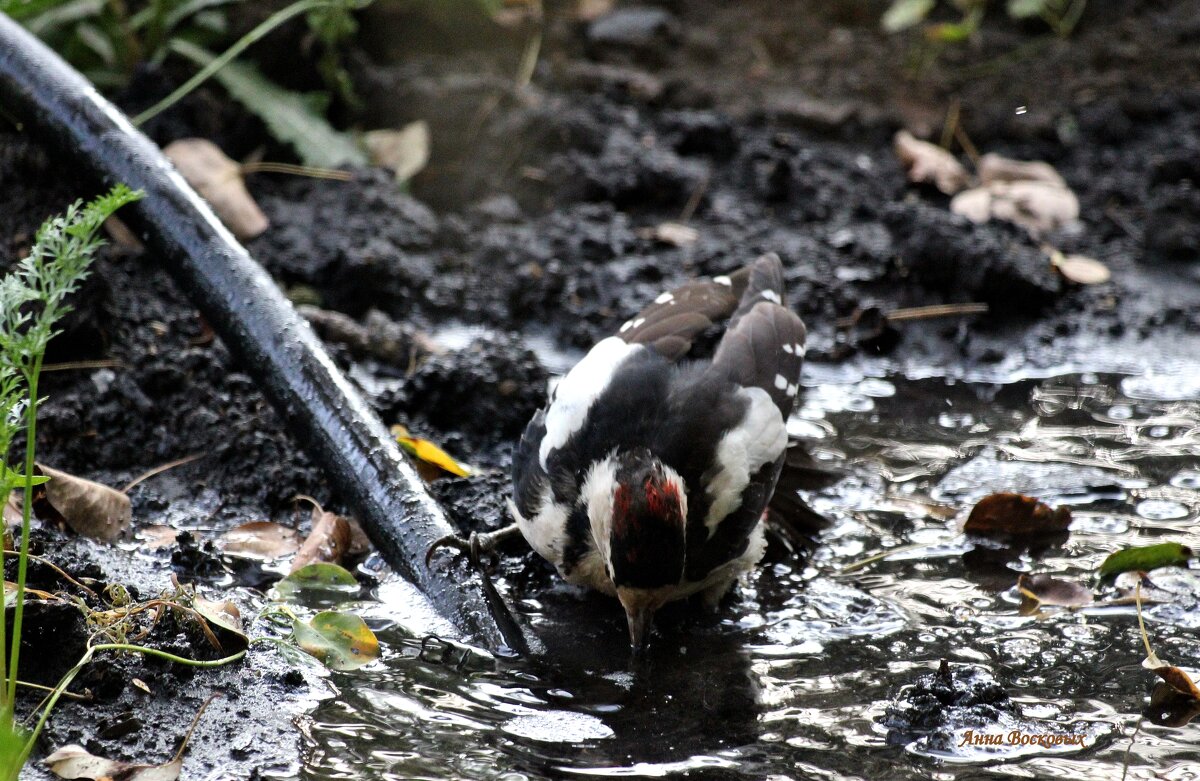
column 788, row 679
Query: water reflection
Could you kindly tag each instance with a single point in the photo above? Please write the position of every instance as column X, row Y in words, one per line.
column 790, row 678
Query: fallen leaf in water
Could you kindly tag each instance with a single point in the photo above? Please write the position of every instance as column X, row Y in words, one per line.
column 315, row 577
column 219, row 181
column 1146, row 558
column 1169, row 708
column 329, row 539
column 429, row 453
column 404, row 151
column 89, row 508
column 926, row 162
column 1174, row 677
column 1080, row 269
column 225, row 616
column 156, row 536
column 260, row 540
column 1038, row 590
column 994, row 168
column 1017, row 515
column 342, row 641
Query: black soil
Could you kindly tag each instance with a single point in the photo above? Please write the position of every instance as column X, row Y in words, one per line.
column 535, row 221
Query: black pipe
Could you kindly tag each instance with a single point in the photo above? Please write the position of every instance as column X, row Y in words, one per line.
column 258, row 324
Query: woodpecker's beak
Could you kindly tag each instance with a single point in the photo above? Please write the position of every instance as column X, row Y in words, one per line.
column 639, row 611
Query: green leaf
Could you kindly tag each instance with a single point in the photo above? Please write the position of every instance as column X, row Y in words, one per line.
column 288, row 115
column 321, row 576
column 1166, row 554
column 342, row 641
column 1026, row 9
column 905, row 13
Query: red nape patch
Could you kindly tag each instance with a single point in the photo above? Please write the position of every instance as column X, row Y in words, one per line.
column 663, row 500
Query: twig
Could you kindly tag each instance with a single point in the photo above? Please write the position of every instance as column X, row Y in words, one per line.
column 158, row 470
column 693, row 202
column 86, row 697
column 102, row 363
column 923, row 313
column 311, row 172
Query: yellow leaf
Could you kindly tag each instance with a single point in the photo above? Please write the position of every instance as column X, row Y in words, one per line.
column 428, row 452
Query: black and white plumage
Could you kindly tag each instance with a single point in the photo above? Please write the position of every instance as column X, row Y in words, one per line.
column 646, row 476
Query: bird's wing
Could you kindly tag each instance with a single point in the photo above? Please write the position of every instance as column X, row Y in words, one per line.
column 764, row 346
column 672, row 321
column 761, row 357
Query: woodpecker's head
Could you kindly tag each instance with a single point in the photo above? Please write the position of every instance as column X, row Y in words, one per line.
column 638, row 509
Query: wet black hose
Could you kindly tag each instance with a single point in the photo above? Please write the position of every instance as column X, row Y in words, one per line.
column 258, row 324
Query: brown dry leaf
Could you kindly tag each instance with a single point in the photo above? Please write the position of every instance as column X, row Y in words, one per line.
column 676, row 234
column 89, row 508
column 329, row 540
column 1081, row 269
column 223, row 616
column 156, row 536
column 218, row 180
column 1038, row 590
column 76, row 762
column 404, row 151
column 994, row 168
column 591, row 10
column 1038, row 207
column 260, row 540
column 926, row 162
column 1017, row 515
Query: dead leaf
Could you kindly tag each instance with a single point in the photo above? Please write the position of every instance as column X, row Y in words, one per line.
column 141, row 685
column 676, row 234
column 329, row 540
column 994, row 168
column 926, row 162
column 591, row 10
column 404, row 151
column 156, row 536
column 1169, row 708
column 1017, row 515
column 428, row 453
column 219, row 181
column 1038, row 207
column 76, row 762
column 1038, row 590
column 260, row 540
column 89, row 508
column 1080, row 269
column 223, row 616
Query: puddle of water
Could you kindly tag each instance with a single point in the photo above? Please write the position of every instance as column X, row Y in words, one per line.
column 792, row 679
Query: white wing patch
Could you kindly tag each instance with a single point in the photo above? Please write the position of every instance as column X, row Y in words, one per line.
column 759, row 438
column 575, row 393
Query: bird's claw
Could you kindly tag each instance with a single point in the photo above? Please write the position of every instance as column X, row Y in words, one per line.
column 474, row 547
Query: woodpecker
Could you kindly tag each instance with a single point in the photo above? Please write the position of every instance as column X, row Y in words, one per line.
column 647, row 475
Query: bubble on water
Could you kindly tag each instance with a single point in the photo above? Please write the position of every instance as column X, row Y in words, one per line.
column 558, row 726
column 1120, row 412
column 1161, row 510
column 1186, row 479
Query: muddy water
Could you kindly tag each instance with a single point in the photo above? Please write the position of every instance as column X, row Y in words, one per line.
column 793, row 678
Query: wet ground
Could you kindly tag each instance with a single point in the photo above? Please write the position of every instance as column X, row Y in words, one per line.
column 530, row 235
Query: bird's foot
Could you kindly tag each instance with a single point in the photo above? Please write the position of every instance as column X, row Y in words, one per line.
column 475, row 547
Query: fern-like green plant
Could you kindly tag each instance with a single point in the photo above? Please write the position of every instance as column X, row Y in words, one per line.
column 33, row 299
